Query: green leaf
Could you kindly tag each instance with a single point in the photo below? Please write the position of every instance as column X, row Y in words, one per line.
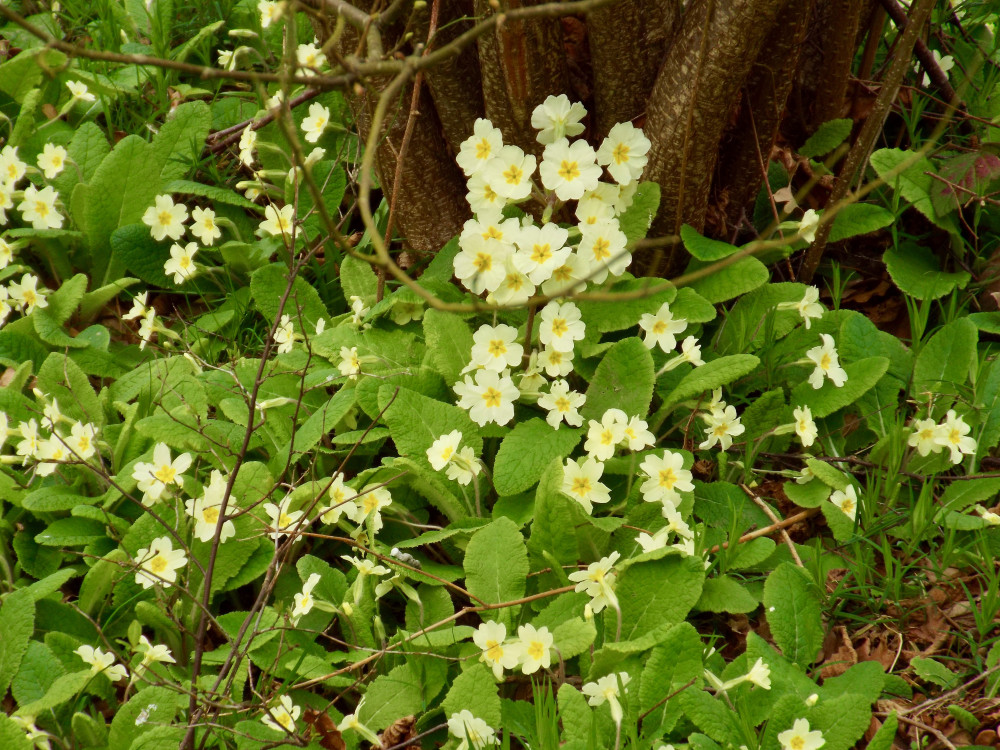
column 475, row 690
column 623, row 380
column 655, row 595
column 917, row 272
column 267, row 287
column 824, row 401
column 724, row 594
column 122, row 188
column 157, row 705
column 71, row 532
column 25, row 71
column 574, row 636
column 842, row 720
column 711, row 375
column 332, row 182
column 64, row 688
column 39, row 669
column 730, row 281
column 496, row 563
column 25, row 121
column 942, row 366
column 914, row 181
column 93, row 302
column 711, row 716
column 16, row 348
column 960, row 495
column 619, row 314
column 577, row 717
column 357, row 279
column 416, row 421
column 885, row 737
column 135, row 251
column 859, row 218
column 692, row 307
column 17, row 623
column 392, row 696
column 86, row 150
column 100, row 579
column 808, row 495
column 12, row 736
column 554, row 518
column 526, row 452
column 212, row 192
column 673, row 663
column 826, row 474
column 61, row 378
column 636, row 219
column 178, row 145
column 827, row 137
column 930, row 670
column 703, row 248
column 793, row 613
column 449, row 341
column 319, row 423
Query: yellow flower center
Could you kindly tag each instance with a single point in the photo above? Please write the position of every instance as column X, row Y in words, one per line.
column 483, row 149
column 210, row 514
column 158, row 564
column 492, row 397
column 446, row 453
column 620, row 153
column 30, row 298
column 284, row 520
column 285, row 719
column 927, row 433
column 493, row 233
column 56, row 161
column 371, row 503
column 514, row 281
column 601, row 249
column 559, row 327
column 513, row 174
column 581, row 486
column 541, row 253
column 562, row 404
column 721, row 430
column 83, row 443
column 954, row 436
column 166, row 473
column 497, row 347
column 798, row 742
column 659, row 327
column 185, row 261
column 824, row 362
column 12, row 171
column 568, row 170
column 536, row 649
column 607, row 437
column 41, row 208
column 668, row 477
column 165, row 218
column 563, row 273
column 483, row 261
column 489, row 194
column 494, row 650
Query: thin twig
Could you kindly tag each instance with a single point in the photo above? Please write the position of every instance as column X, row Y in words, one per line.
column 777, row 522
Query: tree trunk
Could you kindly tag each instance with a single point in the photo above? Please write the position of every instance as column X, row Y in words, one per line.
column 628, row 42
column 690, row 106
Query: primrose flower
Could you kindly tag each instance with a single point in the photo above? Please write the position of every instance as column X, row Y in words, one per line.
column 515, row 289
column 350, row 362
column 36, row 737
column 479, row 148
column 637, row 435
column 556, row 118
column 206, row 510
column 6, row 203
column 309, row 56
column 509, row 173
column 496, row 348
column 623, row 152
column 925, row 437
column 181, row 263
column 805, row 427
column 317, row 121
column 79, row 91
column 607, row 689
column 370, row 501
column 284, row 335
column 248, row 142
column 667, row 478
column 723, row 425
column 808, row 225
column 992, row 518
column 154, row 478
column 602, row 245
column 158, row 654
column 203, row 226
column 304, row 601
column 562, row 404
column 482, row 198
column 661, row 328
column 535, row 645
column 569, row 169
column 581, row 481
column 827, row 363
column 282, row 717
column 560, row 326
column 847, row 501
column 604, row 436
column 808, row 307
column 350, row 722
column 481, row 263
column 165, row 218
column 800, row 738
column 489, row 637
column 340, row 498
column 12, row 168
column 31, row 443
column 159, row 563
column 540, row 250
column 278, row 221
column 571, row 277
column 147, row 327
column 81, row 440
column 52, row 160
column 464, row 466
column 473, row 733
column 598, row 582
column 488, row 398
column 953, row 435
column 555, row 363
column 270, row 11
column 26, row 295
column 100, row 661
column 282, row 520
column 39, row 208
column 443, row 449
column 945, row 63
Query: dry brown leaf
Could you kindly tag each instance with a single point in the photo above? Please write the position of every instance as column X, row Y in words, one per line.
column 329, row 736
column 838, row 653
column 400, row 731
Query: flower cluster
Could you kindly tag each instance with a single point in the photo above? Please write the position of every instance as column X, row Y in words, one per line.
column 60, row 446
column 530, row 651
column 509, row 259
column 722, row 423
column 953, row 433
column 168, row 219
column 37, row 206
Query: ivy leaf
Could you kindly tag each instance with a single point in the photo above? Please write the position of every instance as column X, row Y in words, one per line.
column 623, row 380
column 793, row 613
column 526, row 452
